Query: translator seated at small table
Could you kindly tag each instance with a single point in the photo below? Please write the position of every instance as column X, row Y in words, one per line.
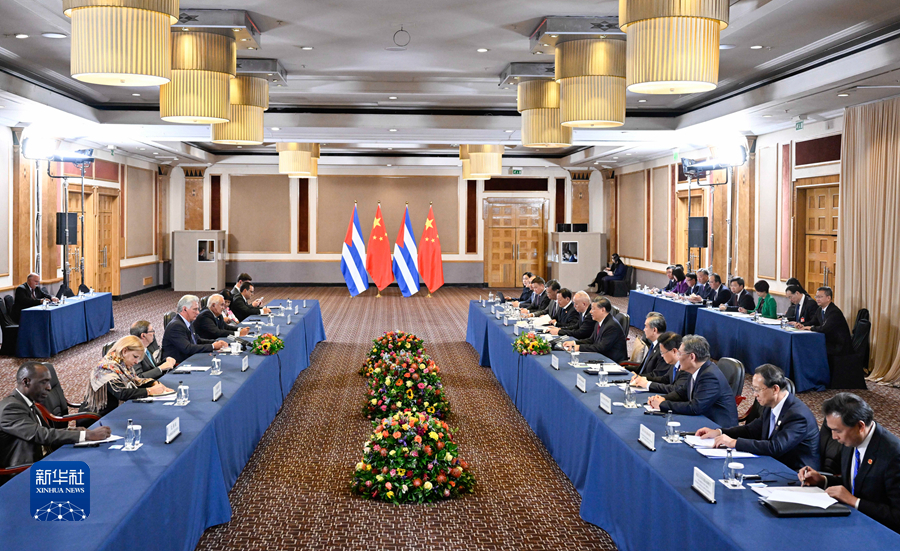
column 707, row 393
column 114, row 381
column 786, row 429
column 673, row 377
column 870, row 461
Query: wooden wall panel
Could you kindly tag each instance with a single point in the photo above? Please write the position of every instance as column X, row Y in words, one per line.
column 193, row 203
column 632, row 215
column 259, row 214
column 819, row 150
column 659, row 214
column 139, row 212
column 767, row 252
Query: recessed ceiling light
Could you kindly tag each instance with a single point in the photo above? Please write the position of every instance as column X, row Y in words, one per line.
column 554, row 36
column 843, row 95
column 545, row 45
column 236, row 30
column 596, row 162
column 482, row 50
column 136, row 95
column 251, row 48
column 628, row 153
column 757, row 47
column 21, row 35
column 54, row 35
column 276, row 128
column 392, row 130
column 390, row 164
column 155, row 153
column 110, row 146
column 270, row 74
column 726, row 46
column 392, row 97
column 767, row 116
column 307, row 48
column 642, row 101
column 279, row 85
column 539, row 52
column 185, row 29
column 143, row 148
column 510, row 131
column 245, row 40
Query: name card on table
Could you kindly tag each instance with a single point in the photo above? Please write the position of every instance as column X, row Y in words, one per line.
column 505, row 320
column 277, row 330
column 288, row 320
column 296, row 309
column 483, row 304
column 605, row 403
column 245, row 363
column 493, row 308
column 516, row 330
column 704, row 485
column 554, row 362
column 497, row 315
column 217, row 391
column 648, row 438
column 304, row 303
column 580, row 382
column 173, row 429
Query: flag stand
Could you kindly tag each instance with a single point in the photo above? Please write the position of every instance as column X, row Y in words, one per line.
column 378, row 295
column 429, row 295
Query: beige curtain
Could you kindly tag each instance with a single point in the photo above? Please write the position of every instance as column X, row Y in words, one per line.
column 868, row 254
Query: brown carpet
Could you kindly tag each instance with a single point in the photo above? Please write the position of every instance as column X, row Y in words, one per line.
column 294, row 492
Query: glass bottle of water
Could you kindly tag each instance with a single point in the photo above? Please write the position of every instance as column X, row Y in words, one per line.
column 726, row 470
column 290, row 304
column 491, row 296
column 304, row 303
column 129, row 435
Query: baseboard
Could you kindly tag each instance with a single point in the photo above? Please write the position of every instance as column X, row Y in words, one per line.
column 141, row 291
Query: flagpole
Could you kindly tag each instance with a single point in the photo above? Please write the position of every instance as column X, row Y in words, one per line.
column 430, row 205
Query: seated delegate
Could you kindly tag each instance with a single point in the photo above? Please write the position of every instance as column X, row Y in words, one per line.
column 673, row 377
column 608, row 338
column 740, row 298
column 766, row 306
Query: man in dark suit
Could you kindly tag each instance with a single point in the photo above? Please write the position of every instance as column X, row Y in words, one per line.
column 180, row 341
column 28, row 295
column 718, row 294
column 740, row 297
column 525, row 296
column 243, row 305
column 540, row 300
column 653, row 363
column 785, row 428
column 582, row 324
column 552, row 289
column 565, row 313
column 25, row 436
column 673, row 377
column 608, row 338
column 802, row 309
column 707, row 393
column 243, row 278
column 210, row 324
column 151, row 365
column 870, row 461
column 830, row 321
column 671, row 284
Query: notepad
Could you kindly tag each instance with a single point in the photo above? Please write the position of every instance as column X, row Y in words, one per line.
column 634, row 389
column 807, row 495
column 614, row 368
column 721, row 453
column 168, row 397
column 112, row 438
column 697, row 442
column 189, row 368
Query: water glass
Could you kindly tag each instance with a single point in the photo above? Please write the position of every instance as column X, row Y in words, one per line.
column 216, row 366
column 137, row 435
column 235, row 348
column 630, row 401
column 129, row 436
column 672, row 431
column 602, row 379
column 575, row 356
column 735, row 473
column 183, row 394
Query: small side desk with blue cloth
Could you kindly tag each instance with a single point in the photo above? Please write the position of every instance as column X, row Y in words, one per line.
column 183, row 486
column 46, row 332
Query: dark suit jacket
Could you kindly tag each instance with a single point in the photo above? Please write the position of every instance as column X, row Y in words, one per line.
column 720, row 297
column 795, row 441
column 743, row 300
column 670, row 285
column 711, row 396
column 24, row 300
column 241, row 309
column 837, row 333
column 581, row 326
column 23, row 431
column 666, row 383
column 209, row 326
column 148, row 368
column 551, row 310
column 567, row 316
column 652, row 363
column 608, row 339
column 878, row 479
column 177, row 341
column 618, row 272
column 807, row 311
column 703, row 290
column 539, row 302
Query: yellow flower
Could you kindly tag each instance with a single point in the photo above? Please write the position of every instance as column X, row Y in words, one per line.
column 374, row 401
column 433, row 435
column 427, row 486
column 389, row 495
column 402, row 472
column 368, row 467
column 431, row 410
column 379, row 478
column 360, row 466
column 405, row 426
column 448, row 457
column 409, row 384
column 393, row 452
column 426, row 404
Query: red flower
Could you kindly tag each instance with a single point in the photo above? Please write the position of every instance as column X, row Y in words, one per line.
column 417, row 482
column 456, row 472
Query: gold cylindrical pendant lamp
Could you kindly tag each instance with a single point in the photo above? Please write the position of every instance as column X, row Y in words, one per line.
column 467, row 165
column 538, row 101
column 591, row 76
column 485, row 160
column 249, row 98
column 121, row 42
column 296, row 159
column 673, row 45
column 203, row 65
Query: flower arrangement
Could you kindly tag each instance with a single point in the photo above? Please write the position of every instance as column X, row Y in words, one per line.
column 411, row 458
column 389, row 345
column 530, row 343
column 267, row 344
column 409, row 381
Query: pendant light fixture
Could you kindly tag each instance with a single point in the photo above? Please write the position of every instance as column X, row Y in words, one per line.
column 248, row 99
column 298, row 160
column 485, row 160
column 591, row 76
column 203, row 64
column 538, row 101
column 673, row 45
column 121, row 42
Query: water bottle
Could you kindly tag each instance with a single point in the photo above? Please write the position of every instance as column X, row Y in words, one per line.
column 726, row 470
column 491, row 296
column 129, row 435
column 783, row 322
column 183, row 394
column 290, row 304
column 271, row 319
column 304, row 303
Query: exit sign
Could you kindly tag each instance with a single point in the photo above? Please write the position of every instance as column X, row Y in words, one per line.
column 798, row 125
column 516, row 170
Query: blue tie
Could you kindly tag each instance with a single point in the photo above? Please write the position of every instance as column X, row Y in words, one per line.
column 149, row 356
column 674, row 374
column 193, row 336
column 772, row 424
column 855, row 472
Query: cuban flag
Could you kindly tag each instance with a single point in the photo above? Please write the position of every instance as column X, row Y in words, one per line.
column 406, row 259
column 353, row 254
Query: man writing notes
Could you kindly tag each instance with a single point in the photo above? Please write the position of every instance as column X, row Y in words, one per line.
column 707, row 393
column 786, row 429
column 210, row 324
column 242, row 306
column 608, row 338
column 870, row 461
column 803, row 308
column 580, row 326
column 180, row 341
column 740, row 298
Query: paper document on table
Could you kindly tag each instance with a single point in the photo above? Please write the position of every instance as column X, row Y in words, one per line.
column 721, row 453
column 648, row 408
column 813, row 499
column 189, row 368
column 697, row 442
column 767, row 321
column 168, row 397
column 614, row 368
column 112, row 438
column 633, row 388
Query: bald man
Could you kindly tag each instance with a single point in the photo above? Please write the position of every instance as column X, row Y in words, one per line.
column 211, row 325
column 28, row 295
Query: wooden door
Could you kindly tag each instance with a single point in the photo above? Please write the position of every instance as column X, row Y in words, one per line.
column 681, row 229
column 515, row 240
column 88, row 234
column 821, row 236
column 501, row 259
column 107, row 248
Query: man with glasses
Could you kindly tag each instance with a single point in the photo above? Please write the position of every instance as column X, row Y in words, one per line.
column 671, row 379
column 243, row 306
column 707, row 393
column 786, row 429
column 150, row 367
column 180, row 342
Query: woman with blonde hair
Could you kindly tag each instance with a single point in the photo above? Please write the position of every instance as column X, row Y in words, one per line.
column 114, row 380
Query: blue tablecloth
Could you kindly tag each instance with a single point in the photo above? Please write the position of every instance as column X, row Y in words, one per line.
column 45, row 333
column 476, row 332
column 644, row 499
column 639, row 305
column 164, row 496
column 681, row 317
column 801, row 354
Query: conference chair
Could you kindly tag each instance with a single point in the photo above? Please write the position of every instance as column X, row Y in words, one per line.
column 624, row 321
column 168, row 318
column 203, row 302
column 829, row 452
column 10, row 332
column 755, row 409
column 9, row 301
column 860, row 341
column 106, row 348
column 55, row 408
column 84, row 289
column 734, row 372
column 12, row 471
column 622, row 287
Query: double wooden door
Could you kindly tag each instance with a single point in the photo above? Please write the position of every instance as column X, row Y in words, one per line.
column 88, row 234
column 98, row 240
column 697, row 208
column 822, row 205
column 515, row 240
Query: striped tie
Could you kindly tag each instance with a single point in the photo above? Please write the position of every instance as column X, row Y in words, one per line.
column 855, row 471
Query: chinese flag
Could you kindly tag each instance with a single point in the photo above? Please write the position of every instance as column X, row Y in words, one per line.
column 378, row 254
column 431, row 267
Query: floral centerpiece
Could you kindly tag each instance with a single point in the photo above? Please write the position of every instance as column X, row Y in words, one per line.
column 267, row 344
column 411, row 458
column 389, row 345
column 530, row 343
column 409, row 381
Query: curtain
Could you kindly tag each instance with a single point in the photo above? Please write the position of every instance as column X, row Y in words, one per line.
column 868, row 252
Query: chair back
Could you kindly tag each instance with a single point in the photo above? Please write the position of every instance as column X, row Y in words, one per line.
column 5, row 319
column 55, row 402
column 624, row 322
column 734, row 372
column 790, row 386
column 9, row 301
column 638, row 351
column 167, row 319
column 829, row 451
column 106, row 348
column 630, row 276
column 614, row 310
column 203, row 302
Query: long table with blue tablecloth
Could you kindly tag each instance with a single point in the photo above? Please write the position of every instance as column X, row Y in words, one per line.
column 643, row 498
column 163, row 496
column 801, row 354
column 681, row 317
column 45, row 332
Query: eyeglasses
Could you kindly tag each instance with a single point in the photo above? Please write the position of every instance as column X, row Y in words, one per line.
column 757, row 390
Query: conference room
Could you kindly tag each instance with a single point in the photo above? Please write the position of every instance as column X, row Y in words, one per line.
column 333, row 275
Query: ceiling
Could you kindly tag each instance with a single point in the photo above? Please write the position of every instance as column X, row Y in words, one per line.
column 446, row 92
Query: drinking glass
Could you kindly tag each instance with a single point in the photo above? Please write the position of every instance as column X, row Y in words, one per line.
column 184, row 394
column 575, row 356
column 630, row 401
column 602, row 379
column 735, row 473
column 137, row 435
column 216, row 366
column 672, row 431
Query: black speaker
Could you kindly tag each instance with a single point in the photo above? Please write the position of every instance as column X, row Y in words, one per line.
column 61, row 228
column 563, row 227
column 697, row 232
column 579, row 227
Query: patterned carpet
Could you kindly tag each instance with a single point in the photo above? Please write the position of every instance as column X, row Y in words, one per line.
column 294, row 492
